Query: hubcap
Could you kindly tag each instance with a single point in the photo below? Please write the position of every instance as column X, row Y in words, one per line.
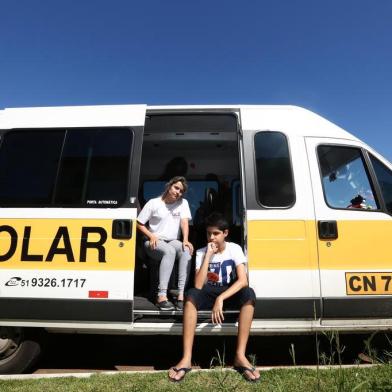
column 10, row 339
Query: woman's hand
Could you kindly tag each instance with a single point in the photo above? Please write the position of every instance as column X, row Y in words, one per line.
column 152, row 238
column 217, row 312
column 153, row 241
column 187, row 244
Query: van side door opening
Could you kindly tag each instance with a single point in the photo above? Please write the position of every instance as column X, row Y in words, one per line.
column 202, row 147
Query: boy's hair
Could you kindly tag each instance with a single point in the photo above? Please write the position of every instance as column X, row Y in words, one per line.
column 216, row 219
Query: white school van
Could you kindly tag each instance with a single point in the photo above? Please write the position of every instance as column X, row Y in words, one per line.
column 309, row 203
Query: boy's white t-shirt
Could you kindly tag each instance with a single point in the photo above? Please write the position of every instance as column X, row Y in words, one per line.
column 222, row 266
column 163, row 218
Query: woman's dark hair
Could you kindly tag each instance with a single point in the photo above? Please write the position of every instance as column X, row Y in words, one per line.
column 216, row 219
column 173, row 181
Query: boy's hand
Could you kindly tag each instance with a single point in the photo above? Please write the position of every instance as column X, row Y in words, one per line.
column 211, row 249
column 217, row 312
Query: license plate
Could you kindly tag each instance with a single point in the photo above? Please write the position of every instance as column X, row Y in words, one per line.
column 369, row 283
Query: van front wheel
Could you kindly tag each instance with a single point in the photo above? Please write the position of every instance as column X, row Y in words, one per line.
column 19, row 349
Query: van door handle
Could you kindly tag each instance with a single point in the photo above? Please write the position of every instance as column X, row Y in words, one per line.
column 328, row 230
column 122, row 229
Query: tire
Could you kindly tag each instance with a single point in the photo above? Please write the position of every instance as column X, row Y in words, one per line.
column 20, row 349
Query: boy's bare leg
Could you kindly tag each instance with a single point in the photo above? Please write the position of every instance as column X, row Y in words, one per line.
column 188, row 334
column 244, row 324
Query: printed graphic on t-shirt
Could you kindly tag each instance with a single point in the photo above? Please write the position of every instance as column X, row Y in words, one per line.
column 212, row 276
column 224, row 270
column 222, row 266
column 175, row 213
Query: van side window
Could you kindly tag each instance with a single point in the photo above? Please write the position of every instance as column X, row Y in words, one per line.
column 94, row 168
column 384, row 177
column 345, row 179
column 28, row 167
column 64, row 168
column 275, row 184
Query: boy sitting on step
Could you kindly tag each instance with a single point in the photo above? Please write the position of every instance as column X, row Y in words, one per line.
column 220, row 281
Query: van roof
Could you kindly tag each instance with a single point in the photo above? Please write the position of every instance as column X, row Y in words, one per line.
column 286, row 118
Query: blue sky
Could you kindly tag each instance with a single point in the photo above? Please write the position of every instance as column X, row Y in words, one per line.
column 333, row 56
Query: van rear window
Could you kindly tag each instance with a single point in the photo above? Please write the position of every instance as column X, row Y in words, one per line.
column 65, row 167
column 275, row 184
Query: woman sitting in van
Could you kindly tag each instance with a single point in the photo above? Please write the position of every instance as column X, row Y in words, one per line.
column 165, row 216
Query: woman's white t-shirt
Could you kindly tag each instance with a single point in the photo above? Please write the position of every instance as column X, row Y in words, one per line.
column 222, row 266
column 163, row 218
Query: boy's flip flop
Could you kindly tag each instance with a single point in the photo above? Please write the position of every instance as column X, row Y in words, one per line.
column 243, row 369
column 177, row 370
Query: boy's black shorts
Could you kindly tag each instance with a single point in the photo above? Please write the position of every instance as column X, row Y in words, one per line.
column 204, row 298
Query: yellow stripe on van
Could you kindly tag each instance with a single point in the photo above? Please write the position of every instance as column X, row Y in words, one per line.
column 361, row 245
column 64, row 244
column 282, row 245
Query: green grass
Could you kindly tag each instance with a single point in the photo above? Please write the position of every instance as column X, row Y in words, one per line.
column 374, row 379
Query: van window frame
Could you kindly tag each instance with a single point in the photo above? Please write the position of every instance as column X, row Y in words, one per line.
column 375, row 180
column 256, row 182
column 370, row 175
column 126, row 203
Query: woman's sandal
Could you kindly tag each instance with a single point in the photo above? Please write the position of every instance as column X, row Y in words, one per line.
column 243, row 369
column 177, row 370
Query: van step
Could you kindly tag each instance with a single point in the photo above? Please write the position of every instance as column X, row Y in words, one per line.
column 175, row 316
column 204, row 313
